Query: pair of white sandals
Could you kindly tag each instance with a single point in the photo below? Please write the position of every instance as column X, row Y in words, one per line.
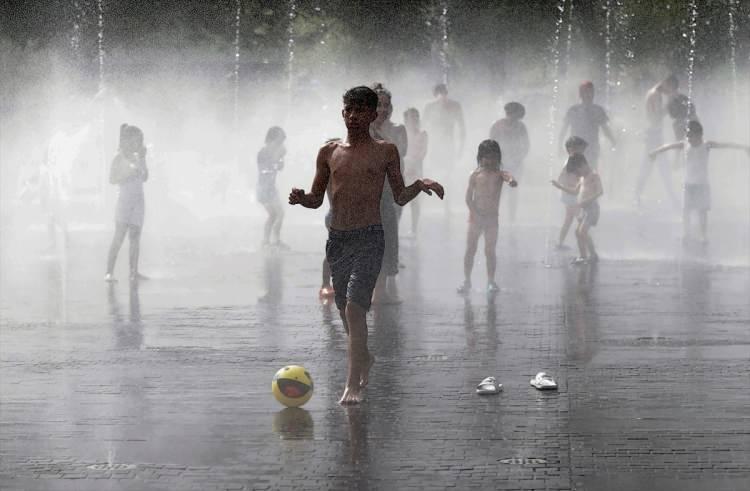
column 542, row 381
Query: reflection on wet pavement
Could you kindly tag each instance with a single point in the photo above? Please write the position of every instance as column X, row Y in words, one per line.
column 166, row 384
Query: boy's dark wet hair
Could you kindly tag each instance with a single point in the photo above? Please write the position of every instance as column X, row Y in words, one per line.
column 671, row 81
column 575, row 141
column 515, row 110
column 575, row 162
column 361, row 95
column 440, row 89
column 694, row 128
column 274, row 133
column 489, row 148
column 131, row 138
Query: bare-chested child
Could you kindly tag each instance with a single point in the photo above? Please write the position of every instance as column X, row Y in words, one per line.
column 589, row 189
column 573, row 145
column 483, row 200
column 697, row 188
column 357, row 169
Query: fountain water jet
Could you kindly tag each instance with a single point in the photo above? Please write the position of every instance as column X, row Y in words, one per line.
column 290, row 47
column 100, row 42
column 551, row 126
column 733, row 59
column 608, row 54
column 237, row 17
column 691, row 53
column 444, row 41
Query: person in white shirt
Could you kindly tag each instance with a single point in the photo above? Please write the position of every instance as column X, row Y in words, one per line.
column 697, row 188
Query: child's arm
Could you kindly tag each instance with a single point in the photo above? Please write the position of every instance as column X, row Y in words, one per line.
column 664, row 148
column 315, row 197
column 735, row 146
column 508, row 177
column 470, row 194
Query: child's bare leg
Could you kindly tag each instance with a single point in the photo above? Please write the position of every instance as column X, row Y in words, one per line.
column 379, row 295
column 342, row 313
column 278, row 221
column 120, row 231
column 569, row 216
column 581, row 238
column 134, row 236
column 472, row 239
column 269, row 222
column 590, row 243
column 490, row 252
column 359, row 357
column 326, row 276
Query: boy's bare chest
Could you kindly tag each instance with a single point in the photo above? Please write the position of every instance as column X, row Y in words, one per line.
column 362, row 166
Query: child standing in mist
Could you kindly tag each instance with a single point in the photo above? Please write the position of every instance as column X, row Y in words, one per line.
column 697, row 189
column 589, row 189
column 511, row 134
column 414, row 159
column 574, row 146
column 483, row 201
column 129, row 172
column 270, row 162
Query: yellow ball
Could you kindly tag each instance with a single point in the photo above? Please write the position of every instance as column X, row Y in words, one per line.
column 292, row 386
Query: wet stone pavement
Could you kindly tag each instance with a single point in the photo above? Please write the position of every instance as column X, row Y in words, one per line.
column 167, row 385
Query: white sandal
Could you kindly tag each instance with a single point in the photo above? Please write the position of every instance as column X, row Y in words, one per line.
column 489, row 386
column 542, row 381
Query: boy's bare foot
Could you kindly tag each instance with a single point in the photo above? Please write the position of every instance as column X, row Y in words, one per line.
column 364, row 378
column 492, row 287
column 352, row 395
column 109, row 278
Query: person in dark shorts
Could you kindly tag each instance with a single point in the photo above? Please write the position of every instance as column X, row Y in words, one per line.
column 356, row 169
column 270, row 162
column 588, row 190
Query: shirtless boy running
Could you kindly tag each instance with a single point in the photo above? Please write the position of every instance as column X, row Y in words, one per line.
column 356, row 169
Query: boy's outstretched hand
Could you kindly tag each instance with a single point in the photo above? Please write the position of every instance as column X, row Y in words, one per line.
column 295, row 197
column 428, row 186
